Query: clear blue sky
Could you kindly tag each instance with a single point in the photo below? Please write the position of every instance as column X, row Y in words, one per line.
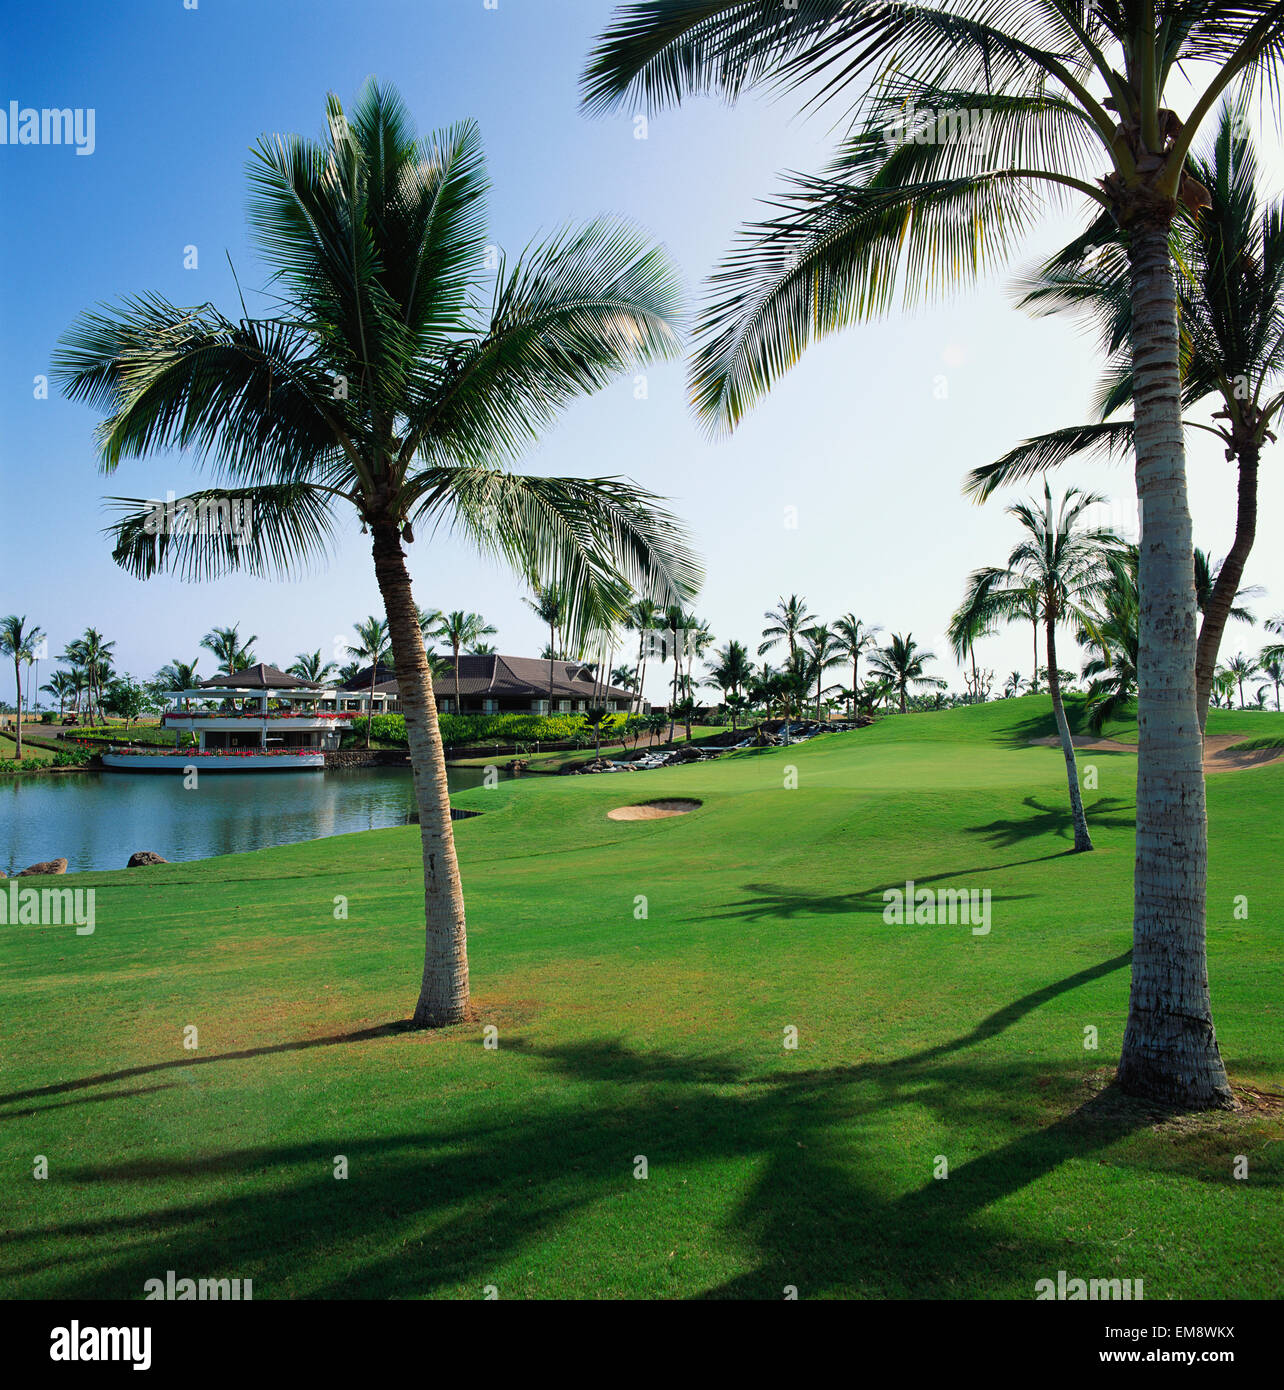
column 857, row 438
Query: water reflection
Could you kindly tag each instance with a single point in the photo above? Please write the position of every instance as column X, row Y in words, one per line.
column 97, row 820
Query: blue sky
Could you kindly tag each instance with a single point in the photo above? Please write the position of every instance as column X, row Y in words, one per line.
column 859, row 439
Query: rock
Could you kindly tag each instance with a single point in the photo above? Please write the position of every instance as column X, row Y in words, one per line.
column 142, row 857
column 47, row 866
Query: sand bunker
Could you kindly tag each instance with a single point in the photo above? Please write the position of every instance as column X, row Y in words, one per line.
column 654, row 810
column 1217, row 750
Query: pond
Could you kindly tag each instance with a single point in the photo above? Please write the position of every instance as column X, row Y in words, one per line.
column 96, row 820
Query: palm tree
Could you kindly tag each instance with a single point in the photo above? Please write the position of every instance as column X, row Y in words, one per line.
column 177, row 675
column 855, row 638
column 732, row 670
column 1230, row 290
column 698, row 639
column 640, row 617
column 1241, row 668
column 18, row 641
column 372, row 645
column 901, row 664
column 550, row 606
column 1067, row 564
column 1073, row 101
column 1208, row 573
column 232, row 653
column 92, row 653
column 309, row 667
column 824, row 651
column 1272, row 667
column 784, row 623
column 61, row 687
column 461, row 630
column 1012, row 686
column 1111, row 639
column 380, row 383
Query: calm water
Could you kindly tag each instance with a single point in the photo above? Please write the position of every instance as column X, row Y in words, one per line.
column 97, row 820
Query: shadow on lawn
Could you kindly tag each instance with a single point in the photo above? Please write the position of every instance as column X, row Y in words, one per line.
column 827, row 1204
column 1106, row 813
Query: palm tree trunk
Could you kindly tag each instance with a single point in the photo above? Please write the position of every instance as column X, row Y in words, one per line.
column 1170, row 1047
column 17, row 701
column 443, row 994
column 1222, row 599
column 1034, row 675
column 374, row 671
column 1082, row 840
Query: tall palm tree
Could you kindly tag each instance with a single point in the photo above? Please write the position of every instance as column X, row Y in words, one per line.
column 1272, row 667
column 92, row 653
column 901, row 664
column 61, row 687
column 461, row 630
column 855, row 638
column 640, row 617
column 1208, row 574
column 1068, row 564
column 18, row 641
column 309, row 667
column 1111, row 639
column 1241, row 668
column 372, row 645
column 1230, row 292
column 232, row 652
column 824, row 650
column 397, row 375
column 550, row 605
column 675, row 620
column 784, row 623
column 1073, row 101
column 177, row 675
column 732, row 670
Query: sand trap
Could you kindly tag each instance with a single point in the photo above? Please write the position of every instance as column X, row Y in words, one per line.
column 1217, row 754
column 654, row 810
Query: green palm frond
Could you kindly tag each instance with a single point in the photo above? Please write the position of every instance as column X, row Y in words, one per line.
column 1111, row 439
column 267, row 531
column 593, row 541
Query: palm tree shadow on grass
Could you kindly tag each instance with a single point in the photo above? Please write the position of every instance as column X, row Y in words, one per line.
column 1107, row 812
column 825, row 1206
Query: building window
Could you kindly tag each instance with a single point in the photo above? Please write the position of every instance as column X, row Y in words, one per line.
column 564, row 706
column 490, row 706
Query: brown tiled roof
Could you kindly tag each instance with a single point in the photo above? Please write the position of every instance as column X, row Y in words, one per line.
column 513, row 677
column 260, row 677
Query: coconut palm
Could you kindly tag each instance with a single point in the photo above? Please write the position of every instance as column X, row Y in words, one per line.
column 92, row 653
column 901, row 664
column 1111, row 640
column 309, row 667
column 1208, row 574
column 675, row 621
column 1071, row 100
column 784, row 623
column 1230, row 288
column 550, row 605
column 1012, row 686
column 1272, row 667
column 61, row 687
column 1241, row 668
column 1068, row 564
column 373, row 645
column 398, row 374
column 732, row 670
column 459, row 630
column 232, row 652
column 855, row 638
column 18, row 641
column 640, row 617
column 824, row 650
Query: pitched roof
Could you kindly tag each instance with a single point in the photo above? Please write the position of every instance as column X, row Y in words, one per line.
column 512, row 677
column 361, row 681
column 260, row 677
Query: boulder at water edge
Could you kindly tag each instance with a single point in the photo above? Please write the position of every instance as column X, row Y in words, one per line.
column 48, row 866
column 142, row 857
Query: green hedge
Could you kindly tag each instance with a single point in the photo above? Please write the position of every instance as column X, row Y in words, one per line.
column 459, row 730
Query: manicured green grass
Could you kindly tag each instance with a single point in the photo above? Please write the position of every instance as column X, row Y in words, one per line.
column 622, row 1035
